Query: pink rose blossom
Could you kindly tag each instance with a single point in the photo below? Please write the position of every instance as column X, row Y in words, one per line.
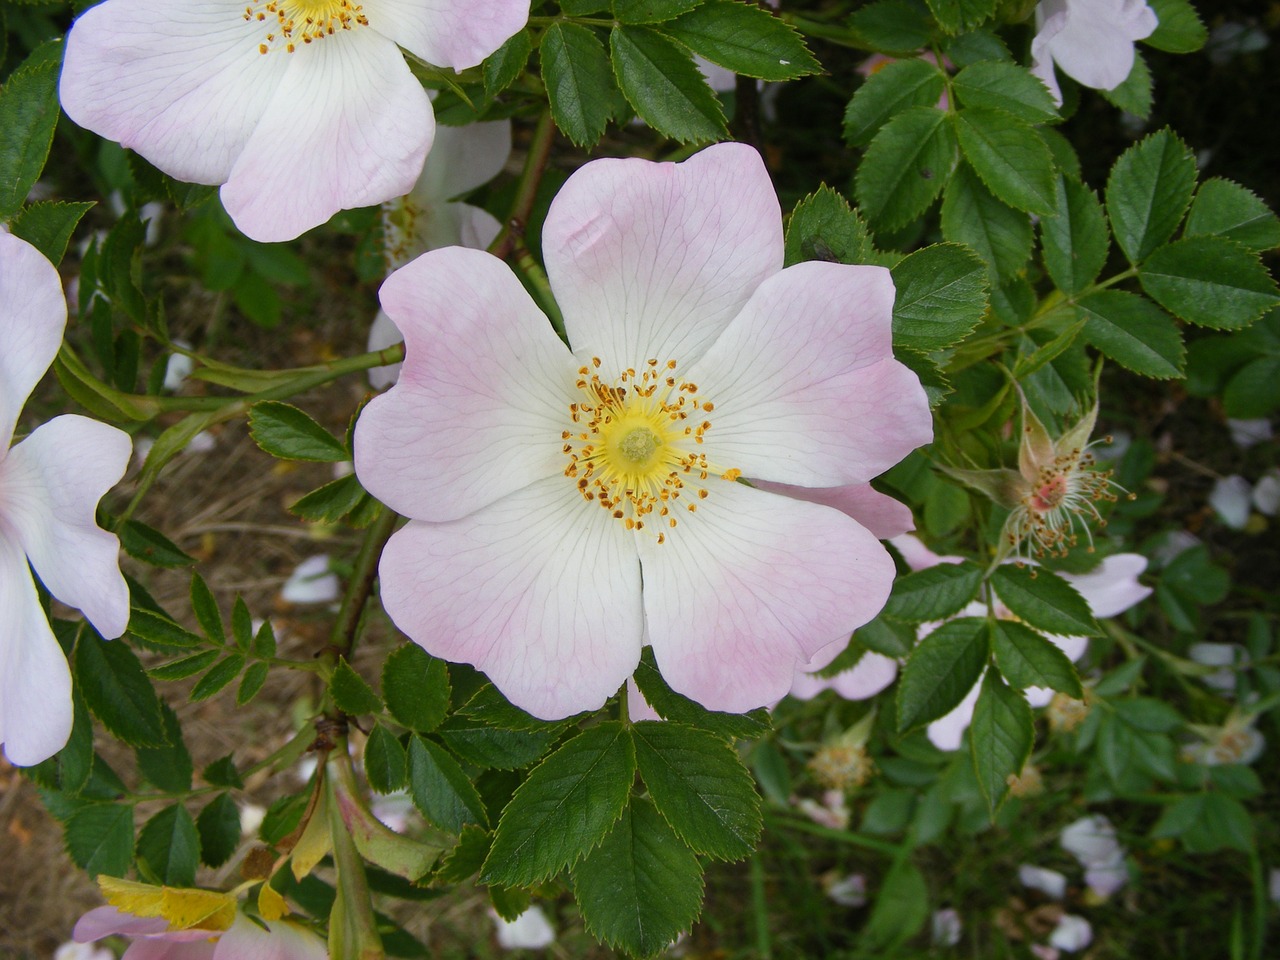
column 50, row 485
column 1090, row 40
column 244, row 940
column 696, row 359
column 299, row 108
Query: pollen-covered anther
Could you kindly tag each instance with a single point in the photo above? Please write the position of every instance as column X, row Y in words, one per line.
column 636, row 453
column 302, row 21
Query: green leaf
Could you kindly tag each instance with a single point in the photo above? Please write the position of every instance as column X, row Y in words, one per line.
column 464, row 861
column 1179, row 29
column 251, row 683
column 1226, row 209
column 1135, row 333
column 48, row 226
column 579, row 81
column 1002, row 85
column 1000, row 738
column 934, row 593
column 564, row 808
column 160, row 633
column 415, row 686
column 700, row 787
column 330, row 503
column 824, row 227
column 1254, row 390
column 28, row 115
column 1009, row 157
column 1209, row 821
column 1074, row 238
column 490, row 707
column 351, row 693
column 440, row 789
column 286, row 432
column 906, row 166
column 901, row 908
column 941, row 296
column 99, row 838
column 1210, row 281
column 885, row 637
column 264, row 641
column 169, row 846
column 385, row 763
column 117, row 690
column 151, row 546
column 1027, row 659
column 957, row 16
column 242, row 624
column 660, row 81
column 942, row 668
column 1148, row 191
column 651, row 11
column 677, row 707
column 282, row 818
column 168, row 767
column 218, row 825
column 219, row 675
column 492, row 748
column 205, row 607
column 999, row 234
column 892, row 26
column 895, row 87
column 186, row 667
column 223, row 773
column 505, row 64
column 641, row 887
column 1135, row 93
column 1044, row 600
column 746, row 39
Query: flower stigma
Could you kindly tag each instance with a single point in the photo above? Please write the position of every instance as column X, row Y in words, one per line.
column 633, row 447
column 1062, row 497
column 291, row 22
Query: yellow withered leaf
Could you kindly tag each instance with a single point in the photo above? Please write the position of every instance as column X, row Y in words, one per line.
column 270, row 904
column 137, row 899
column 182, row 907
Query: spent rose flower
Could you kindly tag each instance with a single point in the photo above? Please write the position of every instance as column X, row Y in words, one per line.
column 50, row 485
column 299, row 108
column 544, row 486
column 155, row 939
column 1090, row 40
column 428, row 218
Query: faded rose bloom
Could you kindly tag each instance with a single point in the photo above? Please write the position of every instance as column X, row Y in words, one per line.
column 299, row 108
column 544, row 487
column 50, row 485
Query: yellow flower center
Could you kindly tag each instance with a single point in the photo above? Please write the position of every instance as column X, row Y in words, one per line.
column 290, row 22
column 633, row 446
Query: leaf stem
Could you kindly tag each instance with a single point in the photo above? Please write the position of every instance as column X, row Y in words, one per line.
column 360, row 587
column 535, row 165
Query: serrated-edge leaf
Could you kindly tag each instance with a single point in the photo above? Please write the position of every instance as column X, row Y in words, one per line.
column 331, row 502
column 1044, row 600
column 1148, row 191
column 351, row 693
column 440, row 789
column 99, row 838
column 577, row 75
column 160, row 633
column 564, row 808
column 219, row 827
column 186, row 667
column 746, row 39
column 251, row 683
column 385, row 762
column 1074, row 239
column 28, row 116
column 997, row 232
column 941, row 294
column 219, row 675
column 503, row 66
column 286, row 432
column 942, row 668
column 1008, row 157
column 117, row 691
column 1210, row 281
column 1027, row 658
column 169, row 845
column 1223, row 208
column 1005, row 86
column 415, row 688
column 1135, row 333
column 168, row 767
column 701, row 788
column 906, row 166
column 934, row 593
column 205, row 606
column 1001, row 736
column 48, row 225
column 898, row 86
column 660, row 81
column 824, row 227
column 641, row 887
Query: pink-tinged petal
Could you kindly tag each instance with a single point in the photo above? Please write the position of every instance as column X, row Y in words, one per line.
column 50, row 485
column 1112, row 587
column 1092, row 40
column 449, row 33
column 35, row 683
column 349, row 126
column 750, row 587
column 183, row 85
column 946, row 732
column 169, row 950
column 638, row 707
column 33, row 314
column 652, row 260
column 540, row 590
column 108, row 921
column 1038, row 696
column 483, row 395
column 917, row 555
column 878, row 512
column 459, row 224
column 871, row 674
column 283, row 941
column 804, row 383
column 461, row 159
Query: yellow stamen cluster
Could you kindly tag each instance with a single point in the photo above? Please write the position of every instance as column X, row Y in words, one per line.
column 291, row 22
column 634, row 445
column 1061, row 498
column 841, row 766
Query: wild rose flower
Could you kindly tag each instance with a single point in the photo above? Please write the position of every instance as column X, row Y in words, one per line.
column 529, row 931
column 50, row 485
column 1091, row 40
column 1092, row 841
column 428, row 218
column 299, row 108
column 154, row 939
column 542, row 484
